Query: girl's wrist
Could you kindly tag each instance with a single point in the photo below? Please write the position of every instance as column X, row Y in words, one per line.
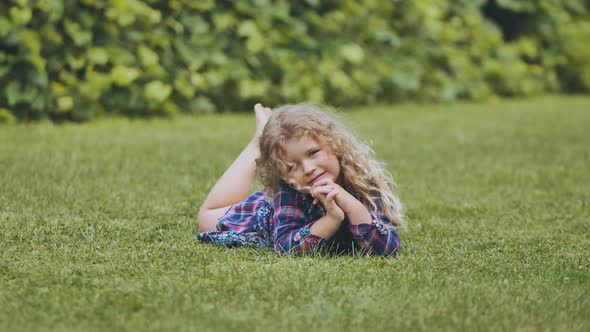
column 335, row 218
column 349, row 203
column 355, row 211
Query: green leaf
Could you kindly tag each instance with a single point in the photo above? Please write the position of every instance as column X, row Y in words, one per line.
column 352, row 53
column 195, row 24
column 223, row 21
column 97, row 55
column 5, row 26
column 21, row 92
column 95, row 85
column 77, row 33
column 123, row 76
column 340, row 80
column 6, row 116
column 198, row 80
column 247, row 28
column 184, row 87
column 313, row 3
column 188, row 55
column 255, row 44
column 202, row 5
column 33, row 43
column 201, row 104
column 157, row 91
column 147, row 57
column 528, row 47
column 55, row 8
column 253, row 88
column 65, row 104
column 119, row 55
column 21, row 16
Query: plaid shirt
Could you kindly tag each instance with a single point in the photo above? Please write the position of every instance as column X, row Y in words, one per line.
column 284, row 224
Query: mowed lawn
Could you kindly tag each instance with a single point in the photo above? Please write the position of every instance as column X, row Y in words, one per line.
column 97, row 227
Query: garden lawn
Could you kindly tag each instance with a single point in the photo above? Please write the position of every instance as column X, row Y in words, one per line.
column 97, row 227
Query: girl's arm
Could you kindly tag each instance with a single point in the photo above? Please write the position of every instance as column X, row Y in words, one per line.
column 293, row 233
column 373, row 232
column 379, row 237
column 354, row 210
column 236, row 183
column 329, row 224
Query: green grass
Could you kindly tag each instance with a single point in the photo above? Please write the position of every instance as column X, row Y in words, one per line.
column 97, row 225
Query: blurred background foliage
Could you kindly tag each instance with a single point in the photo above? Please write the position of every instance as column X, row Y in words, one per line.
column 74, row 60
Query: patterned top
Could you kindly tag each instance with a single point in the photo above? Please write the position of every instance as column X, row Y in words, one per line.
column 284, row 224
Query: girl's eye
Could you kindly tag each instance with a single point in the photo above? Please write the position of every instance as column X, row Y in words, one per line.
column 313, row 152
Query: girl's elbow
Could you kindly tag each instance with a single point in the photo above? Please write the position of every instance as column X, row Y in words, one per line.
column 206, row 221
column 200, row 223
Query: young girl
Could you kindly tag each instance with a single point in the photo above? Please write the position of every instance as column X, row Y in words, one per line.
column 322, row 189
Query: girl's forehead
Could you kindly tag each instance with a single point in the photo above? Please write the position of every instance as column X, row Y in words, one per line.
column 297, row 147
column 300, row 142
column 302, row 139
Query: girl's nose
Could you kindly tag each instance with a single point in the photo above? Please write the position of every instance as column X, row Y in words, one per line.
column 308, row 167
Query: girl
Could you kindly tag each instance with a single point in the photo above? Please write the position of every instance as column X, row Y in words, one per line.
column 322, row 189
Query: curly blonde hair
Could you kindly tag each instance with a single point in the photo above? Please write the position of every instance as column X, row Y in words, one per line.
column 362, row 175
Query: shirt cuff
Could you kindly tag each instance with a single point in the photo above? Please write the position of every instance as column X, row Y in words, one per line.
column 362, row 230
column 304, row 236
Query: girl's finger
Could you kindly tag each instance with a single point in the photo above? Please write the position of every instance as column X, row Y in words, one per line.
column 320, row 190
column 331, row 195
column 324, row 190
column 324, row 182
column 321, row 182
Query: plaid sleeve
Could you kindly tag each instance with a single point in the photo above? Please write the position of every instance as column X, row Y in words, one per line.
column 379, row 237
column 242, row 216
column 291, row 227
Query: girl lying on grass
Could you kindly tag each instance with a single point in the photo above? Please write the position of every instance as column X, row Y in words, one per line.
column 322, row 189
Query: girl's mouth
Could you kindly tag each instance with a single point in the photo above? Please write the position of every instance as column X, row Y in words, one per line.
column 317, row 177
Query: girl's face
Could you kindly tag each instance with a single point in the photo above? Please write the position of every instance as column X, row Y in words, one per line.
column 308, row 161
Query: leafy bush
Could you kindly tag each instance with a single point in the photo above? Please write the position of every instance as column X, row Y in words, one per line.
column 551, row 36
column 74, row 60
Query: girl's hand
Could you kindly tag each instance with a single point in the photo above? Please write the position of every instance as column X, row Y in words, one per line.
column 352, row 208
column 262, row 115
column 330, row 183
column 326, row 195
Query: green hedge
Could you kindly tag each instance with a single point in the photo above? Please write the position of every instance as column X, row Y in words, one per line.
column 74, row 60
